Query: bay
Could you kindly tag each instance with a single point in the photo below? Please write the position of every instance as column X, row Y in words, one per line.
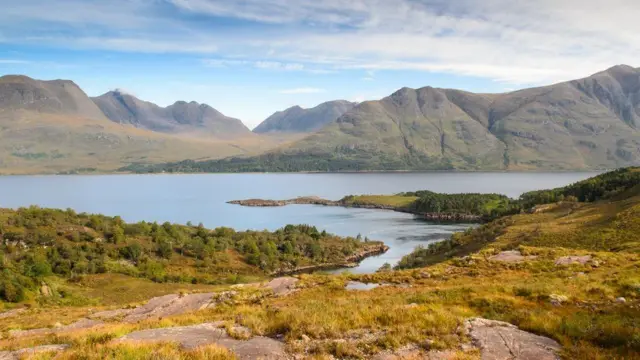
column 201, row 198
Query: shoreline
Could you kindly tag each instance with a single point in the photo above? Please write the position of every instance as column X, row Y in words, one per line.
column 463, row 171
column 351, row 261
column 313, row 200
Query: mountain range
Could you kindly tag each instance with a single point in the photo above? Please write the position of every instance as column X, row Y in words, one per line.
column 53, row 127
column 181, row 117
column 298, row 120
column 590, row 123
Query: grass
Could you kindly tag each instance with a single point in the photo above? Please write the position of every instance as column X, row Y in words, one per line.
column 424, row 306
column 139, row 352
column 396, row 201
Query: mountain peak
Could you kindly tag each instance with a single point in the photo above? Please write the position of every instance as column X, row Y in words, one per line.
column 297, row 119
column 181, row 117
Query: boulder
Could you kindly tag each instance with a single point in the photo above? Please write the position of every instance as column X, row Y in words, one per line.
column 190, row 337
column 499, row 340
column 45, row 290
column 511, row 256
column 568, row 260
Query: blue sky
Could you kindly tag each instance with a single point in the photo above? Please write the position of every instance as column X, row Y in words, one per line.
column 250, row 58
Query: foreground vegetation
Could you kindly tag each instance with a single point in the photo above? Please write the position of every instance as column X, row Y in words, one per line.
column 592, row 307
column 39, row 243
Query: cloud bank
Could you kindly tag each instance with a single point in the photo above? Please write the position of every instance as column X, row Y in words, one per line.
column 518, row 42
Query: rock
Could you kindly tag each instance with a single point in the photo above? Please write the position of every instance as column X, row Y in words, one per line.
column 282, row 286
column 12, row 313
column 305, row 338
column 413, row 352
column 595, row 263
column 58, row 328
column 169, row 305
column 221, row 298
column 190, row 337
column 240, row 332
column 511, row 256
column 411, row 306
column 558, row 299
column 19, row 354
column 45, row 290
column 110, row 314
column 568, row 260
column 621, row 300
column 499, row 340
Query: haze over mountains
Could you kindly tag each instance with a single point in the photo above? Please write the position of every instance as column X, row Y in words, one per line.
column 591, row 123
column 296, row 119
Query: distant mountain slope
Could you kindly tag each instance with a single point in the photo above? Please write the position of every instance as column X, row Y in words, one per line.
column 591, row 123
column 179, row 118
column 55, row 96
column 299, row 120
column 53, row 126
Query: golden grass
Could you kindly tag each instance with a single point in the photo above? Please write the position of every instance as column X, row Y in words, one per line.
column 386, row 200
column 138, row 352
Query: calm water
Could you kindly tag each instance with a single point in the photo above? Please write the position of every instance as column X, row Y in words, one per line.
column 202, row 198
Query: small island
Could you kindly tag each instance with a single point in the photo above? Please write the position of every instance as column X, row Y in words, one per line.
column 463, row 208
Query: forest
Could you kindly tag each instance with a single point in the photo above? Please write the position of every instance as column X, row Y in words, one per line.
column 37, row 243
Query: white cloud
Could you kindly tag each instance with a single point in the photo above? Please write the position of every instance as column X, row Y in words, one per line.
column 305, row 90
column 223, row 63
column 275, row 65
column 13, row 61
column 520, row 42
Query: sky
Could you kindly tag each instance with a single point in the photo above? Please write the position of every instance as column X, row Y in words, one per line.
column 250, row 58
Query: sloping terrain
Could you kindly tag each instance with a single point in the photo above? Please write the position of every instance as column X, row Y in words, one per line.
column 583, row 124
column 590, row 123
column 180, row 118
column 53, row 126
column 299, row 120
column 558, row 282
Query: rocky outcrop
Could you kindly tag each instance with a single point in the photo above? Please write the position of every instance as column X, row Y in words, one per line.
column 169, row 305
column 499, row 340
column 190, row 337
column 304, row 200
column 314, row 200
column 282, row 286
column 511, row 256
column 350, row 261
column 11, row 313
column 20, row 354
column 568, row 260
column 78, row 325
column 368, row 251
column 110, row 314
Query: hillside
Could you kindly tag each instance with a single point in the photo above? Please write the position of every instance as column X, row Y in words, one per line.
column 299, row 120
column 55, row 97
column 591, row 123
column 179, row 118
column 53, row 126
column 560, row 282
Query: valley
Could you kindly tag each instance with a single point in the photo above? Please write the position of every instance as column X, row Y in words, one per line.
column 563, row 273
